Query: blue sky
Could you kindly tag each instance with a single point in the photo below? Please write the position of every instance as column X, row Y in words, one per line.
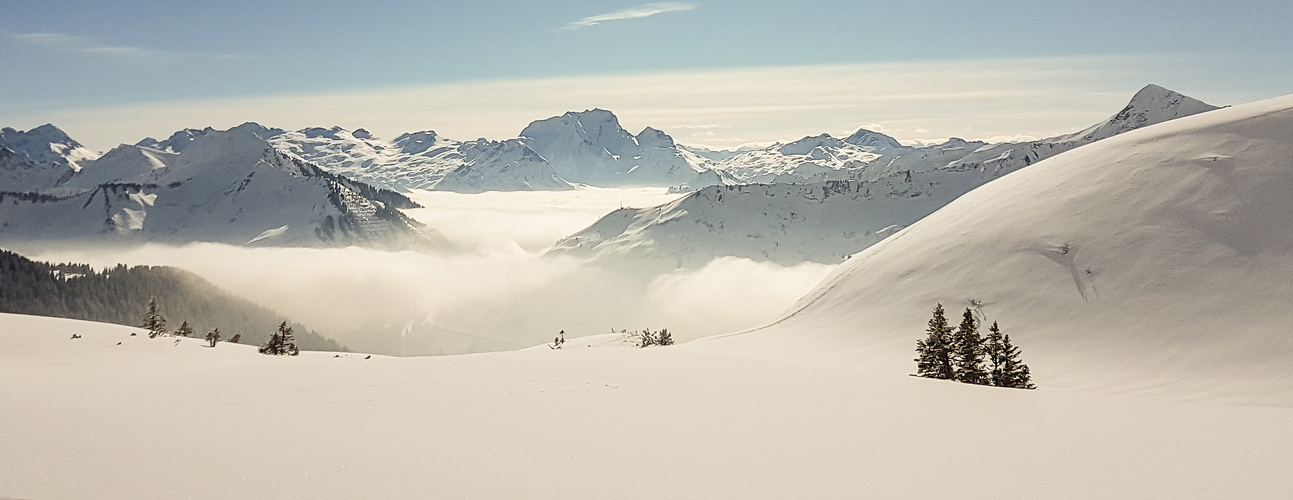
column 113, row 72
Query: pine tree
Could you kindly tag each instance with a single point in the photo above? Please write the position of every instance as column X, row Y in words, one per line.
column 185, row 330
column 153, row 320
column 664, row 337
column 281, row 342
column 968, row 356
column 213, row 337
column 1007, row 369
column 934, row 352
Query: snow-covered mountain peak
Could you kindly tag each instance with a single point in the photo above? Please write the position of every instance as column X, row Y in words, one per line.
column 808, row 144
column 877, row 141
column 1152, row 104
column 653, row 138
column 38, row 158
column 360, row 133
column 591, row 147
column 417, row 142
column 46, row 144
column 595, row 127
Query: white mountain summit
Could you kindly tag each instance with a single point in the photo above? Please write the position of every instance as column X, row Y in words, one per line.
column 38, row 158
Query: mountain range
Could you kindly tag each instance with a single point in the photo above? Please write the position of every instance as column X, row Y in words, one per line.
column 220, row 186
column 826, row 198
column 814, row 199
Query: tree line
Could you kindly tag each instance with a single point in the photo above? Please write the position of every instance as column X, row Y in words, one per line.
column 963, row 355
column 118, row 294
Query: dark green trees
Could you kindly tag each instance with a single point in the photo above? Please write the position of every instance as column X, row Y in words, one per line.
column 281, row 343
column 185, row 330
column 967, row 361
column 934, row 353
column 958, row 354
column 153, row 320
column 1007, row 370
column 213, row 337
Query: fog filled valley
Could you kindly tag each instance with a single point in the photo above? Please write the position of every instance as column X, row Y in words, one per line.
column 493, row 290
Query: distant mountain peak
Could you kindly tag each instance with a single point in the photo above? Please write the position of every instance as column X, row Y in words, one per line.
column 1151, row 104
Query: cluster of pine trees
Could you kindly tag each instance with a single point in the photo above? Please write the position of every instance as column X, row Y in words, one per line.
column 117, row 294
column 961, row 354
column 282, row 343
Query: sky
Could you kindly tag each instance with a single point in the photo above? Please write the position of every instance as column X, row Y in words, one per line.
column 715, row 73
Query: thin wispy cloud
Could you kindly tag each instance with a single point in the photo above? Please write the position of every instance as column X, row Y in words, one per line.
column 639, row 12
column 85, row 45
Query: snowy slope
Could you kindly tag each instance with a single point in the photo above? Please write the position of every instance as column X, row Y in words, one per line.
column 225, row 186
column 111, row 416
column 591, row 147
column 38, row 158
column 890, row 186
column 1159, row 260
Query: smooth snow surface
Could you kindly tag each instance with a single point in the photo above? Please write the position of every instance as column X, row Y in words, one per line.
column 1158, row 261
column 171, row 418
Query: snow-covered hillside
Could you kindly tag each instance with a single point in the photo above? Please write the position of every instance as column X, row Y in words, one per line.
column 1158, row 260
column 222, row 186
column 38, row 158
column 886, row 186
column 591, row 147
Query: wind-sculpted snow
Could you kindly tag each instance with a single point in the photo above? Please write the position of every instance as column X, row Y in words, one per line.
column 1158, row 261
column 844, row 194
column 223, row 186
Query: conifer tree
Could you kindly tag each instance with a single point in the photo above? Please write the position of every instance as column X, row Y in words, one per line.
column 1007, row 369
column 185, row 330
column 213, row 337
column 281, row 342
column 934, row 351
column 968, row 356
column 153, row 320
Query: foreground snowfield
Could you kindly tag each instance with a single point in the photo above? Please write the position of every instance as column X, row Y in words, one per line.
column 88, row 418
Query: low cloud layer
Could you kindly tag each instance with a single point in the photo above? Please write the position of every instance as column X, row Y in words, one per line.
column 500, row 292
